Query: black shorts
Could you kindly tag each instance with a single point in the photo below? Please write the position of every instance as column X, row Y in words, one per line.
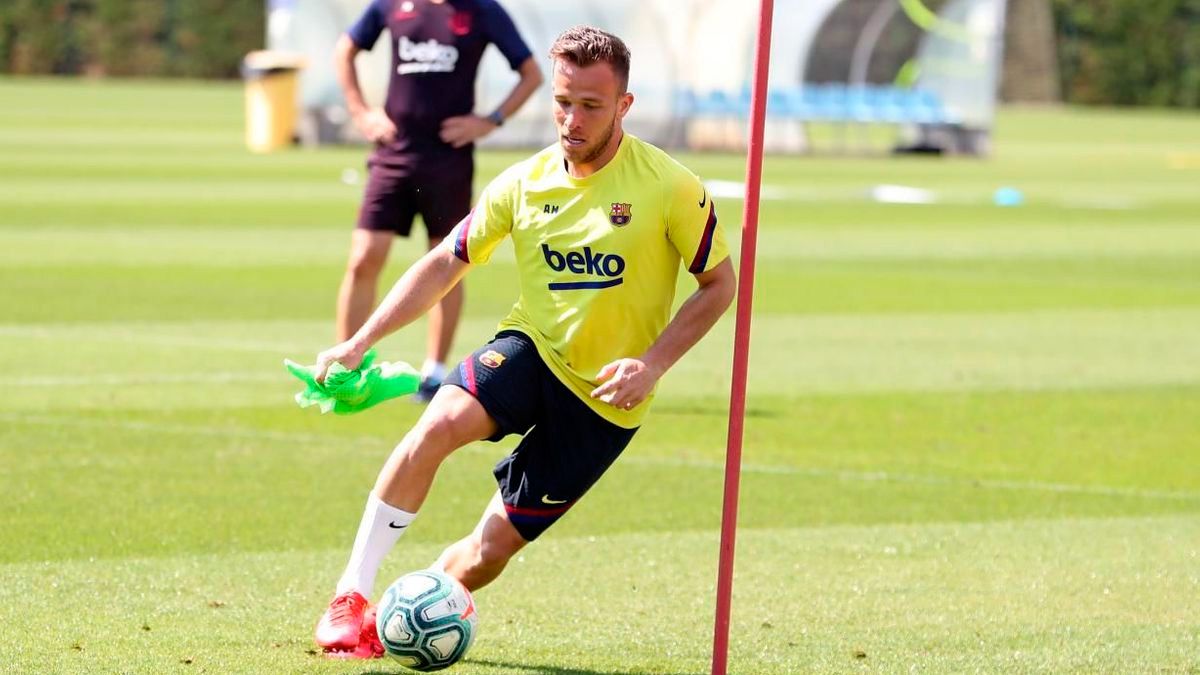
column 566, row 445
column 436, row 185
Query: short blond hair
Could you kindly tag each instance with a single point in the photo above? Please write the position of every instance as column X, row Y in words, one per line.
column 585, row 45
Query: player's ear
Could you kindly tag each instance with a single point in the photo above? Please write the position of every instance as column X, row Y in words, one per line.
column 624, row 101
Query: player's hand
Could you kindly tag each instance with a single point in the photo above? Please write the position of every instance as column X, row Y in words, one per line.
column 465, row 129
column 348, row 353
column 626, row 383
column 376, row 126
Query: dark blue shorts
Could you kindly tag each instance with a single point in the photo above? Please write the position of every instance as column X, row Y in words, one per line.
column 436, row 185
column 566, row 446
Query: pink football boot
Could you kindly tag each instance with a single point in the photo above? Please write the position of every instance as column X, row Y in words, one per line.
column 342, row 623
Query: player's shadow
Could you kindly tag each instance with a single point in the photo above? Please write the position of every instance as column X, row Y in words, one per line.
column 532, row 669
column 700, row 410
column 536, row 669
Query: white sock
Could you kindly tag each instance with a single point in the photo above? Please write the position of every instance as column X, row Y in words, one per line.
column 380, row 528
column 435, row 370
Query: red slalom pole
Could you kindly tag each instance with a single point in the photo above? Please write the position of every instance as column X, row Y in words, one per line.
column 741, row 338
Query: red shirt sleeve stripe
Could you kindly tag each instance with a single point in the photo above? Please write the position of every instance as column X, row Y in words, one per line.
column 460, row 239
column 705, row 247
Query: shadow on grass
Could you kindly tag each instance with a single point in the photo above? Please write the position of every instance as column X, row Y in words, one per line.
column 711, row 410
column 533, row 669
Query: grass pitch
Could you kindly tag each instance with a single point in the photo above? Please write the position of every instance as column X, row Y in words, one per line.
column 973, row 441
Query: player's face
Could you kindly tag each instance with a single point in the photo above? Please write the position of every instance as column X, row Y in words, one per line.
column 588, row 108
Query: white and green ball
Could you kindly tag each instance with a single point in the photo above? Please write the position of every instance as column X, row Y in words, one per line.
column 426, row 620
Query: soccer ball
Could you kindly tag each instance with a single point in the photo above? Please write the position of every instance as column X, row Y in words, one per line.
column 426, row 620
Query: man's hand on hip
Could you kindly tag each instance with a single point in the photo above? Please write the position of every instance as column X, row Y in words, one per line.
column 376, row 126
column 465, row 129
column 626, row 383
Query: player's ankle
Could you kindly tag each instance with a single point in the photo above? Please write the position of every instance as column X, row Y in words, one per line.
column 434, row 370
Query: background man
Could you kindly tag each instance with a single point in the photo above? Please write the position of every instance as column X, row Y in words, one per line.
column 600, row 222
column 424, row 141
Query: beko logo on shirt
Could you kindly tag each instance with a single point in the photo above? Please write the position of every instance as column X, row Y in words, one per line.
column 429, row 56
column 610, row 266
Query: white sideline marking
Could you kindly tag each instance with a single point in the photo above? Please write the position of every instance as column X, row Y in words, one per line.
column 183, row 429
column 842, row 475
column 887, row 477
column 160, row 339
column 150, row 378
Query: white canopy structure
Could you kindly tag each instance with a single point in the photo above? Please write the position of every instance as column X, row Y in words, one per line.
column 930, row 67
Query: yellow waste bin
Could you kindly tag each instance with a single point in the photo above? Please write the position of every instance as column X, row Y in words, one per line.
column 271, row 81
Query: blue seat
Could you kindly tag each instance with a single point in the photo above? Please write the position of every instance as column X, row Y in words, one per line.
column 778, row 104
column 716, row 103
column 684, row 102
column 865, row 103
column 835, row 102
column 886, row 104
column 924, row 107
column 829, row 102
column 798, row 103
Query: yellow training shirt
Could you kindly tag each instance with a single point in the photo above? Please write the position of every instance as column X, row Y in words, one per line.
column 598, row 257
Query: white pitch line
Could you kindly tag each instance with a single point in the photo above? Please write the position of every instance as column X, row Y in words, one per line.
column 888, row 477
column 839, row 474
column 150, row 338
column 182, row 429
column 150, row 378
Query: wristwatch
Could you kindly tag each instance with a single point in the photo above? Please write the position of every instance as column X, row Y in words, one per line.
column 496, row 117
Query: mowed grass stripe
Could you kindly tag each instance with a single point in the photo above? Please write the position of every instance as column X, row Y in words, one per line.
column 1015, row 242
column 143, row 293
column 949, row 189
column 331, row 440
column 1018, row 350
column 228, row 192
column 827, row 599
column 216, row 247
column 969, row 442
column 1080, row 437
column 226, row 247
column 817, row 461
column 792, row 355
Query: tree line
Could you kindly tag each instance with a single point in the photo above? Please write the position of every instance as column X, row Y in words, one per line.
column 144, row 38
column 1125, row 52
column 1129, row 52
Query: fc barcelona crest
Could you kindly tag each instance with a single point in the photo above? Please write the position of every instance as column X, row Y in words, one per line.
column 620, row 214
column 460, row 23
column 492, row 358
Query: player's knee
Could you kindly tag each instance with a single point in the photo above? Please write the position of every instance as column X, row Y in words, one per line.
column 421, row 447
column 434, row 436
column 458, row 556
column 498, row 540
column 495, row 553
column 366, row 263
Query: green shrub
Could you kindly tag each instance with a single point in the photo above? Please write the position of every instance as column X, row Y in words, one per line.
column 193, row 38
column 1129, row 52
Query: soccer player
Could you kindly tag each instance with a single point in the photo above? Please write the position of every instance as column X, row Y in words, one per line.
column 424, row 140
column 600, row 222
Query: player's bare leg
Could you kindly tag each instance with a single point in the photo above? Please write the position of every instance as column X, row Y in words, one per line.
column 481, row 556
column 443, row 323
column 453, row 419
column 356, row 297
